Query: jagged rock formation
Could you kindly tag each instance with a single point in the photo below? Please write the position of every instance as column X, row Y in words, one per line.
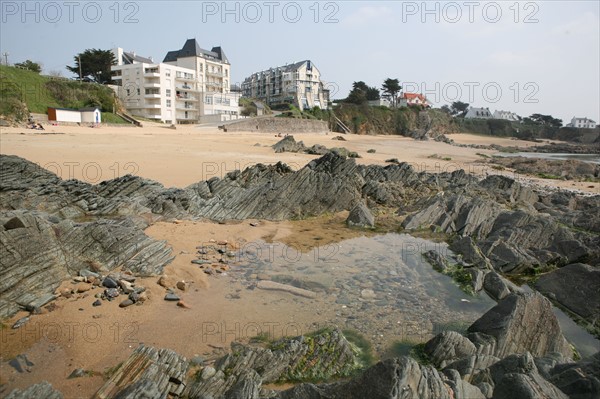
column 147, row 373
column 523, row 323
column 361, row 216
column 321, row 356
column 43, row 390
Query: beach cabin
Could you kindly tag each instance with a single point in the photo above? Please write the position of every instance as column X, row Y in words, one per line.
column 83, row 115
column 91, row 115
column 64, row 115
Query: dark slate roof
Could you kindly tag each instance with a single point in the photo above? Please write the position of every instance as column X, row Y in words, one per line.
column 129, row 58
column 192, row 49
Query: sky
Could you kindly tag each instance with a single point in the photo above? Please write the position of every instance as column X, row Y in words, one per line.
column 526, row 57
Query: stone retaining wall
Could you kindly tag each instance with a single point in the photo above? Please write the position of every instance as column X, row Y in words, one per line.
column 278, row 125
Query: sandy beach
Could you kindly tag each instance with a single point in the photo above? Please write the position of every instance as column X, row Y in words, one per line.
column 178, row 158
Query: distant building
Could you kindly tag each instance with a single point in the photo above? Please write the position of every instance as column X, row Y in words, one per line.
column 413, row 99
column 506, row 115
column 83, row 115
column 478, row 113
column 583, row 123
column 188, row 84
column 298, row 84
column 382, row 102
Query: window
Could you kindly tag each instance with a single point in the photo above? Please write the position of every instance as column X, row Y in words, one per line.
column 138, row 91
column 201, row 66
column 208, row 100
column 168, row 92
column 168, row 103
column 168, row 73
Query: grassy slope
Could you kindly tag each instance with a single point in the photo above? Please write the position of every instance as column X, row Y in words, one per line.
column 40, row 92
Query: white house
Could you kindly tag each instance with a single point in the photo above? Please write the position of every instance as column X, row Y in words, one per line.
column 188, row 84
column 506, row 115
column 83, row 115
column 478, row 113
column 584, row 123
column 412, row 99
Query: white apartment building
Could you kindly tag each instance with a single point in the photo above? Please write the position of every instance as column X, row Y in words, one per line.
column 584, row 123
column 298, row 84
column 190, row 83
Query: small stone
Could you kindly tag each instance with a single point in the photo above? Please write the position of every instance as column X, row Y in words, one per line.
column 77, row 373
column 142, row 297
column 197, row 360
column 78, row 279
column 88, row 273
column 21, row 363
column 184, row 305
column 182, row 285
column 126, row 303
column 21, row 322
column 111, row 293
column 171, row 297
column 82, row 287
column 109, row 283
column 134, row 297
column 97, row 302
column 126, row 286
column 222, row 242
column 164, row 281
column 208, row 372
column 367, row 294
column 263, row 276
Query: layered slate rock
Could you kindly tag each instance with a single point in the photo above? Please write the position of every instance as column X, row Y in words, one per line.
column 361, row 216
column 447, row 347
column 575, row 287
column 580, row 380
column 149, row 373
column 43, row 390
column 321, row 356
column 523, row 323
column 37, row 252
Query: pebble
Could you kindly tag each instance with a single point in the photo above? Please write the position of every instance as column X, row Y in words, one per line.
column 172, row 297
column 88, row 273
column 111, row 292
column 126, row 286
column 367, row 294
column 182, row 285
column 184, row 305
column 208, row 372
column 109, row 283
column 126, row 303
column 21, row 322
column 97, row 302
column 83, row 287
column 77, row 373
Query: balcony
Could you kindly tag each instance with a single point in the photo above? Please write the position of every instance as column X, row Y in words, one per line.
column 152, row 95
column 214, row 84
column 152, row 106
column 184, row 76
column 187, row 98
column 151, row 74
column 216, row 74
column 152, row 84
column 186, row 88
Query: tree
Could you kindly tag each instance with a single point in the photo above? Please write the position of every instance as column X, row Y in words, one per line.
column 373, row 94
column 32, row 66
column 95, row 65
column 446, row 109
column 546, row 120
column 459, row 108
column 391, row 88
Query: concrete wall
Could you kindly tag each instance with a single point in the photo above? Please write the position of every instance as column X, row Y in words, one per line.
column 278, row 125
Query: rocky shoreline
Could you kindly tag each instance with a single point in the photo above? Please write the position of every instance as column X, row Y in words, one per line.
column 53, row 229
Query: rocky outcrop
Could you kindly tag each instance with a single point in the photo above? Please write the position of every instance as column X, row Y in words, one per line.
column 580, row 380
column 43, row 390
column 361, row 216
column 523, row 323
column 575, row 287
column 321, row 356
column 149, row 373
column 54, row 249
column 447, row 347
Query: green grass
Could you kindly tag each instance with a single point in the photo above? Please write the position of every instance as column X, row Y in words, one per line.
column 411, row 349
column 37, row 92
column 108, row 117
column 548, row 176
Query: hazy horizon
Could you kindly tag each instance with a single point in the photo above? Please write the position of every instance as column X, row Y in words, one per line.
column 525, row 57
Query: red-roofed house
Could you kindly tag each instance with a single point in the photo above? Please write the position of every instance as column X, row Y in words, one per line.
column 412, row 99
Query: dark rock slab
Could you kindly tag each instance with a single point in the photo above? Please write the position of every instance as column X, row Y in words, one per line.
column 43, row 390
column 361, row 216
column 523, row 323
